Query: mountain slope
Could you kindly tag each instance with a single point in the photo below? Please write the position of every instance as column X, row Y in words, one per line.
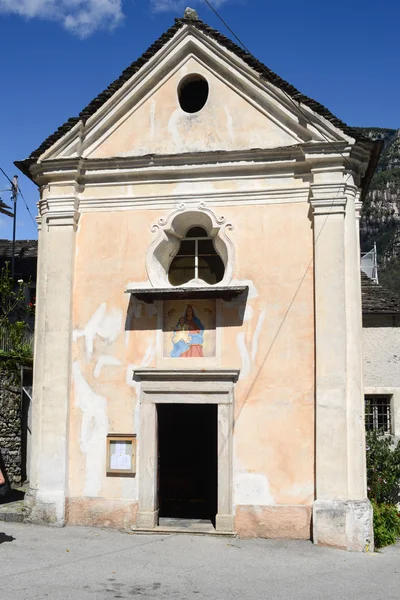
column 380, row 216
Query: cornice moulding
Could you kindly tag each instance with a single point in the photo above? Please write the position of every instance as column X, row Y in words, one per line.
column 289, row 159
column 226, row 375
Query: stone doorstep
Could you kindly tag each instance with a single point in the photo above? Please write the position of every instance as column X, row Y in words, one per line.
column 187, row 526
column 171, row 531
column 13, row 512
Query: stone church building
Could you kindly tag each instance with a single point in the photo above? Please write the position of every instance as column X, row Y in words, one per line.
column 198, row 350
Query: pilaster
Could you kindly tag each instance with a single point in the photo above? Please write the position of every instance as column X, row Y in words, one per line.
column 342, row 515
column 51, row 392
column 34, row 458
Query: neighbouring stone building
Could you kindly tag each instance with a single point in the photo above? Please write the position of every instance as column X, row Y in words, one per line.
column 381, row 342
column 198, row 346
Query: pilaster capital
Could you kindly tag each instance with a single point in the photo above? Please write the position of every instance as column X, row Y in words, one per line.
column 328, row 206
column 60, row 211
column 63, row 218
column 328, row 198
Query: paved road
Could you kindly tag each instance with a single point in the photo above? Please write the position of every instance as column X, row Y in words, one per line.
column 94, row 564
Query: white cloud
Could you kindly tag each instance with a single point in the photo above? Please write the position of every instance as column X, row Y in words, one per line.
column 81, row 17
column 178, row 6
column 84, row 17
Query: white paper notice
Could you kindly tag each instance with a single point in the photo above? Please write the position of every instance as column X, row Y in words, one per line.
column 120, row 448
column 121, row 461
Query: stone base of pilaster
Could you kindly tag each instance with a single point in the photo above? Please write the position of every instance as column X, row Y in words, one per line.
column 344, row 524
column 147, row 519
column 224, row 522
column 45, row 509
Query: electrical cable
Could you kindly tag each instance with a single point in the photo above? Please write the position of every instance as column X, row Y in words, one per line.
column 5, row 175
column 297, row 105
column 22, row 196
column 27, row 207
column 294, row 102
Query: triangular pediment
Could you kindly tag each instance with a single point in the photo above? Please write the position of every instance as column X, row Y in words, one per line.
column 244, row 109
column 229, row 120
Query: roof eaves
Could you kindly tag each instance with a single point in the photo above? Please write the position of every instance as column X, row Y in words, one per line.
column 248, row 58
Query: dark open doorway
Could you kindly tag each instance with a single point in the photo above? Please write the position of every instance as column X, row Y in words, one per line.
column 188, row 466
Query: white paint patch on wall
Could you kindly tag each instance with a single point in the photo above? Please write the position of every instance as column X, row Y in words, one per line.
column 103, row 361
column 145, row 362
column 134, row 312
column 135, row 308
column 152, row 117
column 257, row 333
column 173, row 128
column 106, row 325
column 229, row 124
column 301, row 492
column 94, row 429
column 253, row 293
column 245, row 356
column 248, row 313
column 252, row 489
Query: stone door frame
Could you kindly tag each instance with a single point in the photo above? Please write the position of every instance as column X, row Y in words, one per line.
column 196, row 386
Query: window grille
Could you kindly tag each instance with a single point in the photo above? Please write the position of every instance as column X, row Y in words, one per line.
column 196, row 259
column 378, row 413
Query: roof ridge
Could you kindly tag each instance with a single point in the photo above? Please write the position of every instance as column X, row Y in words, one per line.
column 91, row 108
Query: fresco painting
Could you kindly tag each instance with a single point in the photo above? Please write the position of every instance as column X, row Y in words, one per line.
column 189, row 329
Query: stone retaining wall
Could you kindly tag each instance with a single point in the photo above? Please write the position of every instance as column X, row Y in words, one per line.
column 10, row 424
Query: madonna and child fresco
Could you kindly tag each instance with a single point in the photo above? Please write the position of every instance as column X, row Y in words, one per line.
column 189, row 329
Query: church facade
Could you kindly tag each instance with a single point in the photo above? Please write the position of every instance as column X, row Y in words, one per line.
column 198, row 351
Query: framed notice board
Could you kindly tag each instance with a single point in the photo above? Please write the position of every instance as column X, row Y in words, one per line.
column 121, row 454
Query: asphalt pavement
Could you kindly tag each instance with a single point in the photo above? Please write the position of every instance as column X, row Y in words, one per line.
column 38, row 562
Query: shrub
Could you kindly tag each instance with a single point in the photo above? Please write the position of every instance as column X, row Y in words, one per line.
column 383, row 477
column 386, row 524
column 383, row 468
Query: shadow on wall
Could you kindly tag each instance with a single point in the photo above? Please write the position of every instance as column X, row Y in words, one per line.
column 179, row 314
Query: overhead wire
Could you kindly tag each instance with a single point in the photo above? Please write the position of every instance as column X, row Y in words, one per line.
column 21, row 194
column 289, row 307
column 27, row 207
column 294, row 102
column 6, row 176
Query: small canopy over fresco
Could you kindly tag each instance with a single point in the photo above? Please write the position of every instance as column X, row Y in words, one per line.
column 220, row 49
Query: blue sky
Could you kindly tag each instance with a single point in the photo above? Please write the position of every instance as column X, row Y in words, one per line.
column 56, row 55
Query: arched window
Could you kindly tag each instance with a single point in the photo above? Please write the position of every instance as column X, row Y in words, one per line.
column 196, row 259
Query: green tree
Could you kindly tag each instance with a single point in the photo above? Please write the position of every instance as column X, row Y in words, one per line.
column 13, row 330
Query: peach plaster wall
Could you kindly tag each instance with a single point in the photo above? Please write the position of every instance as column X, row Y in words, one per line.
column 273, row 348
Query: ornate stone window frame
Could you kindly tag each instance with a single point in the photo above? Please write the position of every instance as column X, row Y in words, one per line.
column 196, row 386
column 173, row 229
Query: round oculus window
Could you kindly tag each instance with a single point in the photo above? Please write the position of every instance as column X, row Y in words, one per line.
column 193, row 93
